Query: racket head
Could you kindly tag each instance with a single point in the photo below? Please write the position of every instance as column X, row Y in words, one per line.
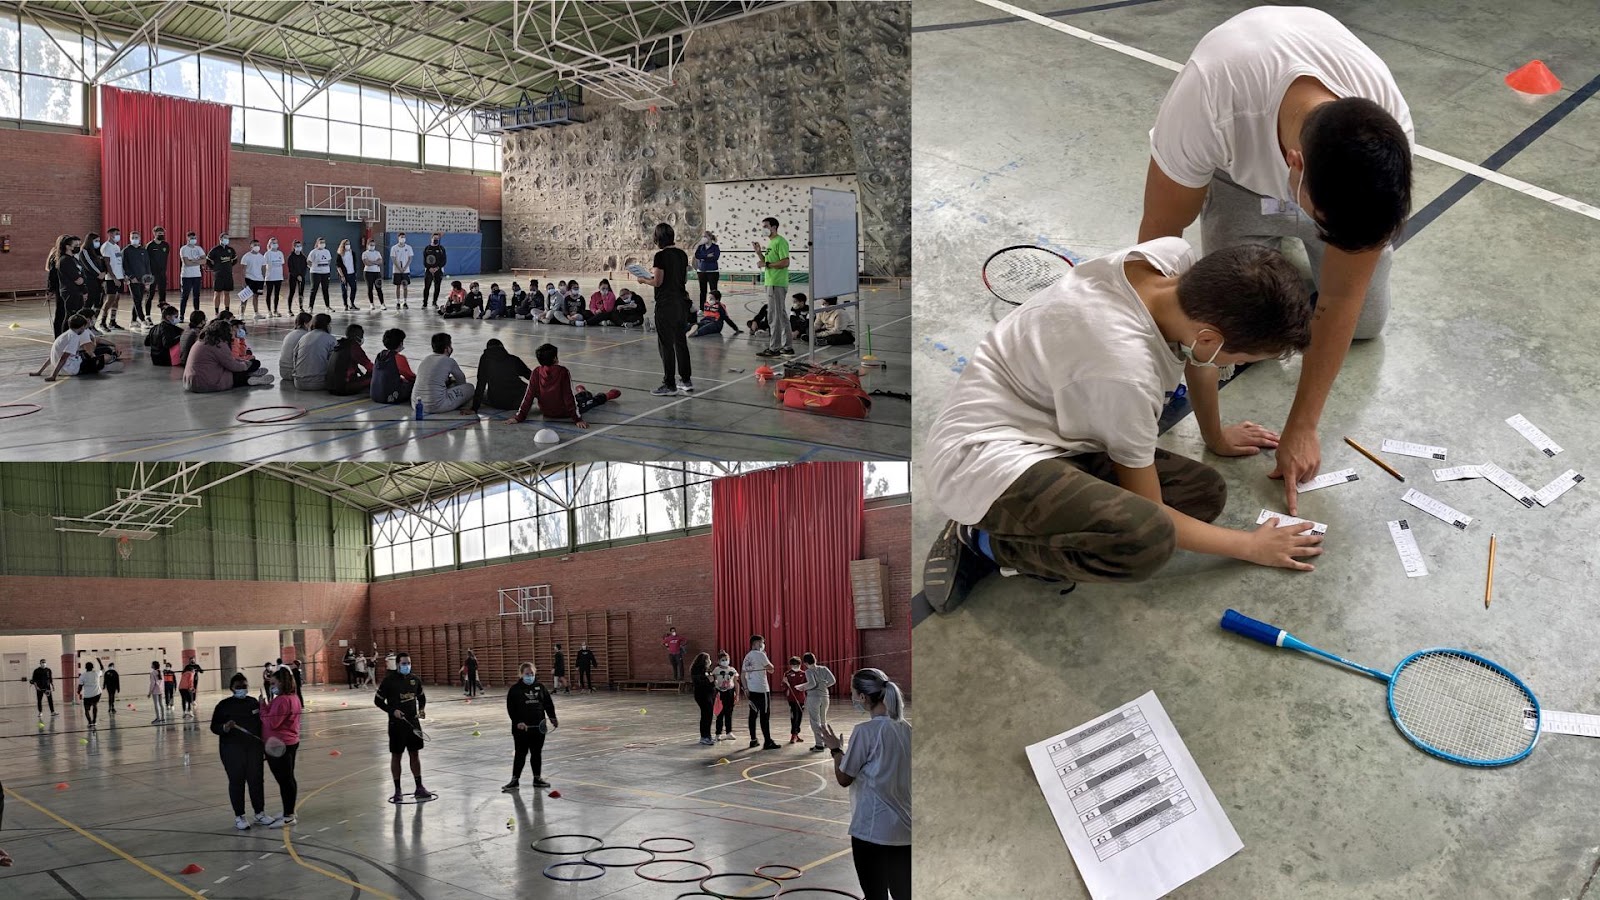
column 1463, row 708
column 1018, row 272
column 276, row 747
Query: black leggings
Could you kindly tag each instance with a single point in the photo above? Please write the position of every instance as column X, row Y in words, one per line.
column 761, row 711
column 91, row 708
column 375, row 281
column 297, row 289
column 884, row 871
column 672, row 320
column 111, row 699
column 274, row 291
column 706, row 701
column 319, row 282
column 283, row 770
column 530, row 744
column 41, row 696
column 708, row 283
column 586, row 679
column 432, row 278
column 136, row 287
column 795, row 712
column 725, row 718
column 188, row 699
column 243, row 765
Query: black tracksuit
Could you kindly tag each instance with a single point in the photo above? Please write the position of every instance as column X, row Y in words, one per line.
column 402, row 692
column 112, row 682
column 241, row 754
column 433, row 259
column 295, row 262
column 705, row 696
column 136, row 265
column 502, row 379
column 529, row 705
column 160, row 252
column 586, row 662
column 43, row 682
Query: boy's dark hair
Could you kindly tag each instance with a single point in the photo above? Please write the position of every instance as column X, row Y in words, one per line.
column 664, row 235
column 770, row 221
column 546, row 354
column 225, row 314
column 809, row 659
column 830, row 301
column 1357, row 174
column 794, row 660
column 196, row 319
column 754, row 638
column 456, row 285
column 716, row 295
column 303, row 320
column 393, row 338
column 355, row 332
column 190, row 235
column 401, row 655
column 322, row 322
column 800, row 297
column 441, row 342
column 1253, row 295
column 77, row 322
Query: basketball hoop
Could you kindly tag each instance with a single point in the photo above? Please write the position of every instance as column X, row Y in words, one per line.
column 124, row 548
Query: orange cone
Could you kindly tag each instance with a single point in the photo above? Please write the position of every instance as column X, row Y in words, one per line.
column 61, row 786
column 191, row 869
column 555, row 795
column 334, row 753
column 1534, row 78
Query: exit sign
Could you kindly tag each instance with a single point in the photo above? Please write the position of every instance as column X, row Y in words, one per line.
column 293, row 220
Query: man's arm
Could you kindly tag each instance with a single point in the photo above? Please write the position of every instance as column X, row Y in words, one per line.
column 1169, row 207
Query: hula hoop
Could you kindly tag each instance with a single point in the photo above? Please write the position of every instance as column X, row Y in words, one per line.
column 692, row 879
column 577, row 863
column 695, row 894
column 413, row 801
column 797, row 871
column 618, row 865
column 832, row 892
column 298, row 412
column 588, row 837
column 775, row 883
column 679, row 850
column 21, row 406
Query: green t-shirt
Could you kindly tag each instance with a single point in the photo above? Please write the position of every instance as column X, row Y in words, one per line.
column 777, row 251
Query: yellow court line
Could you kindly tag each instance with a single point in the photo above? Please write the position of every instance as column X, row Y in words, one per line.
column 805, row 868
column 289, row 845
column 148, row 869
column 606, row 347
column 38, row 392
column 757, row 780
column 718, row 803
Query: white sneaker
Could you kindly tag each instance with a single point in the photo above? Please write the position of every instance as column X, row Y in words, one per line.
column 240, row 823
column 261, row 377
column 283, row 822
column 264, row 819
column 259, row 317
column 685, row 386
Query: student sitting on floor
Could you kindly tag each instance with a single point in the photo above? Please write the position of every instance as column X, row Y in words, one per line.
column 712, row 318
column 532, row 304
column 602, row 305
column 72, row 353
column 1044, row 456
column 164, row 337
column 350, row 371
column 833, row 324
column 302, row 326
column 212, row 367
column 516, row 299
column 502, row 378
column 475, row 300
column 551, row 387
column 497, row 304
column 241, row 347
column 455, row 306
column 554, row 293
column 102, row 347
column 568, row 310
column 392, row 377
column 799, row 320
column 630, row 309
column 441, row 385
column 312, row 353
column 191, row 335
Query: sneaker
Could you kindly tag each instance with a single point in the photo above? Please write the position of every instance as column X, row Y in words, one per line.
column 787, row 351
column 156, row 721
column 708, row 742
column 818, row 749
column 755, row 743
column 284, row 822
column 794, row 738
column 54, row 713
column 540, row 782
column 953, row 568
column 261, row 377
column 399, row 797
column 422, row 793
column 772, row 745
column 768, row 354
column 264, row 819
column 605, row 324
column 665, row 391
column 259, row 317
column 241, row 823
column 509, row 786
column 685, row 386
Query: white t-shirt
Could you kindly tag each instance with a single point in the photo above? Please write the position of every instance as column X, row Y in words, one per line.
column 400, row 256
column 191, row 257
column 755, row 672
column 255, row 265
column 113, row 255
column 724, row 678
column 319, row 260
column 878, row 757
column 349, row 259
column 90, row 682
column 372, row 261
column 1079, row 368
column 1222, row 110
column 70, row 344
column 274, row 265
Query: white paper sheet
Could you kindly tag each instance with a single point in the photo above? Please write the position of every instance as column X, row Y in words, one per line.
column 1131, row 804
column 1457, row 473
column 1343, row 476
column 1557, row 722
column 1406, row 543
column 638, row 271
column 1285, row 520
column 1509, row 483
column 1564, row 482
column 1406, row 448
column 1535, row 437
column 1444, row 512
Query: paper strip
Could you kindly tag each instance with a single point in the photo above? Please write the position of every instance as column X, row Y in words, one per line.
column 1564, row 482
column 1343, row 476
column 1507, row 482
column 1557, row 722
column 1457, row 473
column 1535, row 437
column 1444, row 512
column 1410, row 553
column 1285, row 520
column 1406, row 448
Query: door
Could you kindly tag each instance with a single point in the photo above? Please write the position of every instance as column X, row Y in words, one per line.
column 492, row 257
column 16, row 690
column 227, row 662
column 334, row 229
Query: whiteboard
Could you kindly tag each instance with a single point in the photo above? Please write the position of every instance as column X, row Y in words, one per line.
column 833, row 243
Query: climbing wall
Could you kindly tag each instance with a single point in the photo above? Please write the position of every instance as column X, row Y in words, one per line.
column 804, row 89
column 734, row 210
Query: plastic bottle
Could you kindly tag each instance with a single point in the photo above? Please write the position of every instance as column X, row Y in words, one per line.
column 421, row 413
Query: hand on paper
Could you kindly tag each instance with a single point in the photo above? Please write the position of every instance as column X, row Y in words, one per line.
column 1282, row 548
column 1299, row 458
column 1244, row 439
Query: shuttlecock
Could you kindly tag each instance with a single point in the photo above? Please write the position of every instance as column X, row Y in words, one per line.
column 546, row 436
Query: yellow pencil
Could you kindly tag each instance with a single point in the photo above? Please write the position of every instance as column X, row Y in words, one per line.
column 1488, row 586
column 1368, row 454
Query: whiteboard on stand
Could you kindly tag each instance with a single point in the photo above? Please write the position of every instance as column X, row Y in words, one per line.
column 834, row 241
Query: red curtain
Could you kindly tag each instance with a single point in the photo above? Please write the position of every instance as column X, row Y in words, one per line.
column 164, row 161
column 783, row 540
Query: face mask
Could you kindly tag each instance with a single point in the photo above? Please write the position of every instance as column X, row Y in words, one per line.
column 74, row 249
column 192, row 242
column 723, row 661
column 133, row 241
column 1189, row 357
column 371, row 247
column 255, row 248
column 402, row 239
column 239, row 334
column 241, row 693
column 405, row 668
column 160, row 236
column 855, row 700
column 321, row 246
column 116, row 239
column 794, row 668
column 173, row 320
column 224, row 242
column 297, row 248
column 273, row 245
column 94, row 243
column 527, row 679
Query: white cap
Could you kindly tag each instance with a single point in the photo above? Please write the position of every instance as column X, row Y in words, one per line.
column 546, row 436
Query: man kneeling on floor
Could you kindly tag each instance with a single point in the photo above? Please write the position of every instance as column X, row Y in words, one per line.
column 1045, row 455
column 551, row 386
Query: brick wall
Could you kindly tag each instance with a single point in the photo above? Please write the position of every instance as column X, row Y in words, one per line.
column 51, row 186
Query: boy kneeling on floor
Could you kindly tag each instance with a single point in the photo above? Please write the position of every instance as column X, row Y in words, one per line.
column 1045, row 456
column 550, row 386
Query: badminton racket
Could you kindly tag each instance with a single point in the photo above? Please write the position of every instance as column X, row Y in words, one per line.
column 415, row 720
column 1452, row 704
column 1018, row 272
column 274, row 746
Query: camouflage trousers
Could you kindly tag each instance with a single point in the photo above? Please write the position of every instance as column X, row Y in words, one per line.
column 1066, row 518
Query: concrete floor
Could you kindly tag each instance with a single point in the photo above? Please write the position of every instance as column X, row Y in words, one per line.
column 1024, row 133
column 626, row 765
column 144, row 414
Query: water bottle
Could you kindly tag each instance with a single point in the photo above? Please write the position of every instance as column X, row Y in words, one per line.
column 421, row 413
column 186, row 759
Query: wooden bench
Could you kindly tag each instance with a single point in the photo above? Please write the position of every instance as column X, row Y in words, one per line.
column 648, row 685
column 529, row 272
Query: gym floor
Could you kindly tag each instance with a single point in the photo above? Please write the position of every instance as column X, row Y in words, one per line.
column 142, row 802
column 143, row 413
column 1492, row 317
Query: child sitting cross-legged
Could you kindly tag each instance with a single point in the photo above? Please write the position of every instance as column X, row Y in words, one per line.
column 550, row 386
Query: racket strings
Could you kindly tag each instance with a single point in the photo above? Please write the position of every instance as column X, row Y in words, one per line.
column 1459, row 706
column 1015, row 274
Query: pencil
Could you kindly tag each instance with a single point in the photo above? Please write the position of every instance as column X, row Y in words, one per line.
column 1381, row 464
column 1488, row 586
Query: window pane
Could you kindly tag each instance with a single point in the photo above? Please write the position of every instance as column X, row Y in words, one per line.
column 316, row 102
column 525, row 536
column 403, row 113
column 382, row 561
column 136, row 59
column 422, row 554
column 886, row 479
column 344, row 138
column 592, row 484
column 437, row 150
column 402, row 558
column 486, row 157
column 375, row 107
column 663, row 475
column 52, row 100
column 496, row 504
column 10, row 95
column 627, row 480
column 310, row 135
column 497, row 541
column 460, row 154
column 178, row 77
column 238, row 125
column 344, row 103
column 472, row 545
column 627, row 517
column 375, row 142
column 664, row 510
column 429, row 113
column 553, row 532
column 471, row 510
column 444, row 550
column 405, row 146
column 263, row 128
column 43, row 56
column 263, row 88
column 699, row 496
column 10, row 40
column 221, row 81
column 592, row 523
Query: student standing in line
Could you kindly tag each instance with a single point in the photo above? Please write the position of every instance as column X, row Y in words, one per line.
column 237, row 722
column 675, row 644
column 586, row 663
column 819, row 679
column 112, row 684
column 756, row 668
column 275, row 266
column 298, row 270
column 349, row 274
column 222, row 258
column 705, row 693
column 299, row 673
column 775, row 276
column 89, row 689
column 280, row 718
column 793, row 679
column 188, row 680
column 190, row 259
column 402, row 697
column 669, row 276
column 372, row 270
column 136, row 266
column 255, row 278
column 320, row 263
column 471, row 667
column 160, row 251
column 56, row 278
column 400, row 256
column 706, row 256
column 560, row 672
column 877, row 769
column 441, row 385
column 433, row 260
column 44, row 688
column 93, row 262
column 725, row 679
column 116, row 280
column 533, row 712
column 156, row 691
column 361, row 669
column 350, row 668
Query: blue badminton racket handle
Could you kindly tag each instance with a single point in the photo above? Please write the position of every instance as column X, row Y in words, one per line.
column 1274, row 636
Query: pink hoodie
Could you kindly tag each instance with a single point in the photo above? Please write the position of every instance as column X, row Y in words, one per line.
column 602, row 302
column 280, row 718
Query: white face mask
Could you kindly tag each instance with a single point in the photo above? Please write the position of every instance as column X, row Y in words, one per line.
column 133, row 241
column 402, row 239
column 224, row 242
column 255, row 248
column 192, row 242
column 1191, row 359
column 273, row 245
column 116, row 239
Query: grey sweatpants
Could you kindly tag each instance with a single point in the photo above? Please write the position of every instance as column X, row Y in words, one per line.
column 1232, row 216
column 452, row 399
column 777, row 318
column 817, row 713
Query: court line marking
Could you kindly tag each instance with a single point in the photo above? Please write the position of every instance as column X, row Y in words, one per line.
column 1560, row 201
column 719, row 803
column 289, row 844
column 146, row 867
column 805, row 868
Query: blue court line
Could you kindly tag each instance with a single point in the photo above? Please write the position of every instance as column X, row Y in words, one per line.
column 1058, row 14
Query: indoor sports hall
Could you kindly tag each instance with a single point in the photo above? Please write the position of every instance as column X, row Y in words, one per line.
column 612, row 565
column 1490, row 320
column 509, row 145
